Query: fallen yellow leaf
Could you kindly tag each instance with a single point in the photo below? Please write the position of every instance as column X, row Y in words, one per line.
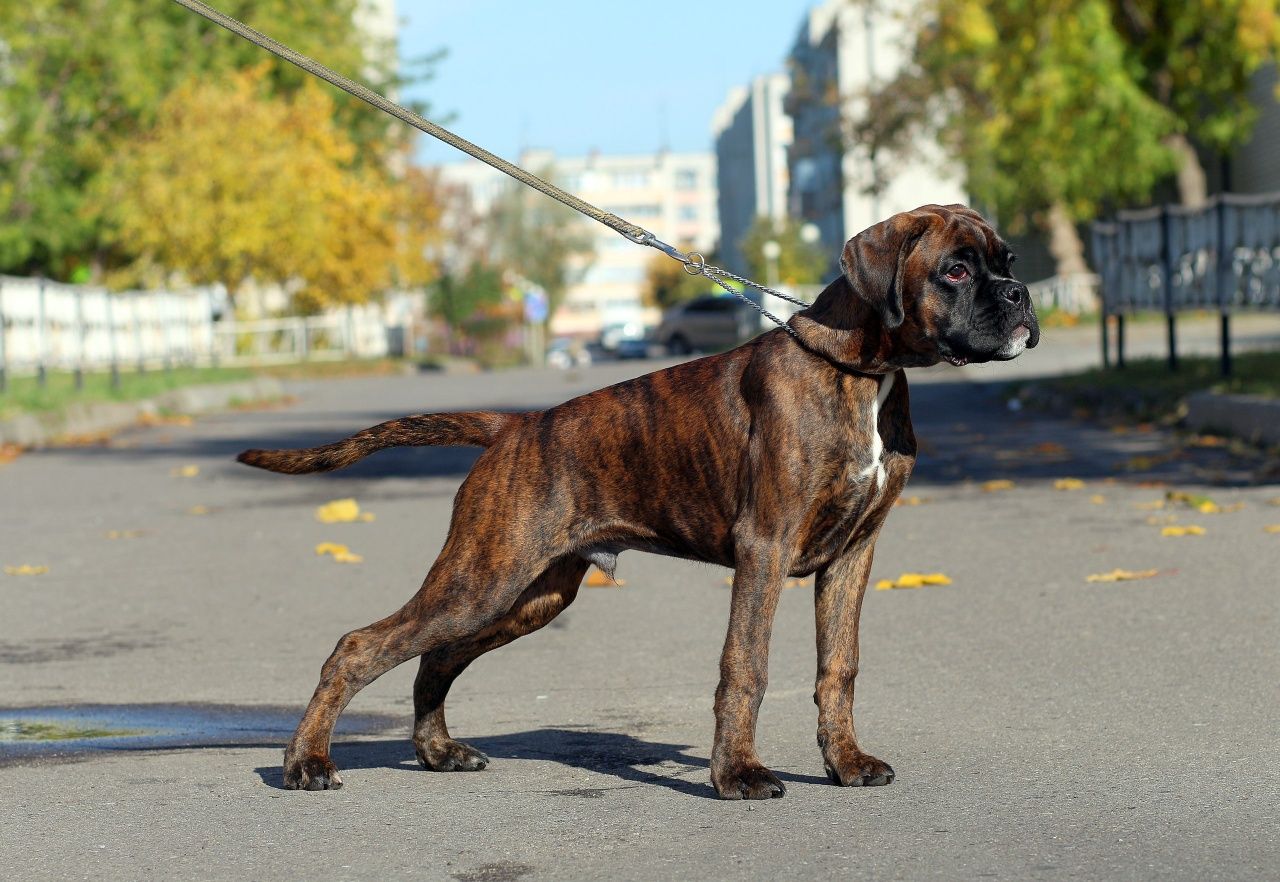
column 338, row 552
column 186, row 471
column 1153, row 505
column 1271, row 528
column 26, row 570
column 913, row 580
column 1068, row 484
column 1098, row 499
column 198, row 510
column 1188, row 530
column 123, row 534
column 994, row 486
column 1122, row 575
column 909, row 500
column 341, row 511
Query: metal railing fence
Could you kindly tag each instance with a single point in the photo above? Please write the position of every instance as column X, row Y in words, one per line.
column 1224, row 256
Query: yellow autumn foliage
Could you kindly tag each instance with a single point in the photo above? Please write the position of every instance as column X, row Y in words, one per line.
column 231, row 185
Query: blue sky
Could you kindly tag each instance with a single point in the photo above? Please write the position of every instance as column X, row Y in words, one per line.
column 573, row 75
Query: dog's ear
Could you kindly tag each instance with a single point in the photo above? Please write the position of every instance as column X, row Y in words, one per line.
column 873, row 263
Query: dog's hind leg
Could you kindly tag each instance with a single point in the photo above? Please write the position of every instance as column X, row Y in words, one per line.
column 541, row 602
column 466, row 593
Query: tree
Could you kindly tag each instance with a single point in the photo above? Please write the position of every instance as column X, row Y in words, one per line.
column 462, row 298
column 377, row 231
column 540, row 240
column 231, row 185
column 1196, row 60
column 1037, row 102
column 80, row 78
column 798, row 263
column 1055, row 107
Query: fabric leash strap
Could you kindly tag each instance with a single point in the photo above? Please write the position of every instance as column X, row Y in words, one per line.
column 693, row 262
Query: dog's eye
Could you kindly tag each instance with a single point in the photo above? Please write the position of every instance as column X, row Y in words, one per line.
column 957, row 273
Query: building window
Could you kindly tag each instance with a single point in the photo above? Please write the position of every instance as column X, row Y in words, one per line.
column 632, row 179
column 686, row 179
column 688, row 212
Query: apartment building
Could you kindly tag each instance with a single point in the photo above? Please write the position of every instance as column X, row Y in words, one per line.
column 752, row 133
column 671, row 194
column 841, row 50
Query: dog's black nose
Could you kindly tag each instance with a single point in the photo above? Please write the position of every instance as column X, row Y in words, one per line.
column 1016, row 293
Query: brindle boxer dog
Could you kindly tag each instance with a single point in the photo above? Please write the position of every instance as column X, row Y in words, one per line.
column 779, row 458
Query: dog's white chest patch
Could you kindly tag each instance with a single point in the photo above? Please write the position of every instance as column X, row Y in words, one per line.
column 877, row 446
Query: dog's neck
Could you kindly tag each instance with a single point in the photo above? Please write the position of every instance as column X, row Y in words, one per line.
column 844, row 329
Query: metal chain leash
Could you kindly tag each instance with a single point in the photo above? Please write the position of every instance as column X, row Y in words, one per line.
column 693, row 262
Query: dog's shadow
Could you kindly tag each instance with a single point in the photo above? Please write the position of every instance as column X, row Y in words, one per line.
column 625, row 757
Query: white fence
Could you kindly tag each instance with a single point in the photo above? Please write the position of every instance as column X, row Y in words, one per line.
column 47, row 326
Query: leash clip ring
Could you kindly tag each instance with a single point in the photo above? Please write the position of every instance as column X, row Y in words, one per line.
column 695, row 264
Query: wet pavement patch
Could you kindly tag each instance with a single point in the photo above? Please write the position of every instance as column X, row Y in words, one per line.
column 65, row 732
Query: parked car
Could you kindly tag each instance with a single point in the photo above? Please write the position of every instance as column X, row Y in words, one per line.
column 637, row 347
column 709, row 324
column 565, row 352
column 615, row 334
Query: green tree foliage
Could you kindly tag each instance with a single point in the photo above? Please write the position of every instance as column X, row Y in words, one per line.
column 80, row 78
column 1036, row 101
column 1196, row 60
column 799, row 262
column 1055, row 107
column 461, row 298
column 540, row 240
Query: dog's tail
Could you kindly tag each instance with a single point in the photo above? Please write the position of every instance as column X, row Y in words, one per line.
column 478, row 428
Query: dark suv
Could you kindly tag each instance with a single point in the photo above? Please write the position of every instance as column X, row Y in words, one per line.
column 708, row 324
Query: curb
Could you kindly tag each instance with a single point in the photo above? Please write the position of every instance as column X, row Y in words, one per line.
column 45, row 429
column 1251, row 417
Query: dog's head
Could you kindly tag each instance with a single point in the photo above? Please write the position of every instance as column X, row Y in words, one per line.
column 924, row 286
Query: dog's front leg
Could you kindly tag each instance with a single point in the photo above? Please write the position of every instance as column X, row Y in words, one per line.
column 838, row 598
column 736, row 771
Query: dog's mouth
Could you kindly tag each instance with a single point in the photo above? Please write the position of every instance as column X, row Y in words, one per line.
column 956, row 360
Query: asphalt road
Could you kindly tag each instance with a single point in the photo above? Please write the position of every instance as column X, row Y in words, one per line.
column 1042, row 727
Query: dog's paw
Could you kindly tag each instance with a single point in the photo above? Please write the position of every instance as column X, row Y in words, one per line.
column 857, row 769
column 310, row 773
column 451, row 756
column 748, row 782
